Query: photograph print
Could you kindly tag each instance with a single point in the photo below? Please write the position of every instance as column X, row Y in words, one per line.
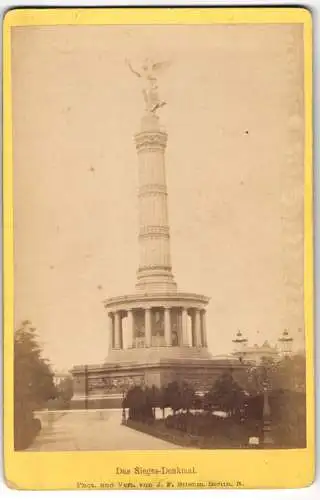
column 158, row 217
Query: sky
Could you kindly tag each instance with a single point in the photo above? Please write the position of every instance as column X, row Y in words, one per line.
column 234, row 166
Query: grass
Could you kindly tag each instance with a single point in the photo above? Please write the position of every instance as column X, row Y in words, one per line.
column 238, row 438
column 216, row 433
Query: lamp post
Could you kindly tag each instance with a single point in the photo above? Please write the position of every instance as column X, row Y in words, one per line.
column 241, row 344
column 262, row 373
column 266, row 415
column 123, row 416
column 263, row 378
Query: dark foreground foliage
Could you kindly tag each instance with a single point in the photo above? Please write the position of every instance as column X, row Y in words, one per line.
column 33, row 385
column 197, row 416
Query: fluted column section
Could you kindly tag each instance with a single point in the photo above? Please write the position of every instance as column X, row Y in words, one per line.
column 154, row 273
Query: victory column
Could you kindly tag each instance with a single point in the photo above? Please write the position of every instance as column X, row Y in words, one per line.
column 166, row 329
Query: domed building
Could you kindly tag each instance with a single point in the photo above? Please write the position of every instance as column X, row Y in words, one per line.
column 256, row 353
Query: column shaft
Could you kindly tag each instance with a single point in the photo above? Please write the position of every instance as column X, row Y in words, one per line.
column 204, row 329
column 130, row 327
column 167, row 327
column 193, row 330
column 121, row 332
column 117, row 328
column 148, row 331
column 110, row 332
column 184, row 320
column 198, row 328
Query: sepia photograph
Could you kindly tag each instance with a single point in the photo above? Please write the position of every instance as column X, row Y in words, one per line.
column 159, row 237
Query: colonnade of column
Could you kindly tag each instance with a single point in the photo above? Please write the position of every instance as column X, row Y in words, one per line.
column 198, row 327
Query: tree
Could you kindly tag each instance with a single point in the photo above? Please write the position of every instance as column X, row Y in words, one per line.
column 187, row 397
column 33, row 383
column 139, row 402
column 178, row 396
column 291, row 373
column 226, row 393
column 65, row 391
column 288, row 411
column 284, row 380
column 286, row 373
column 172, row 396
column 155, row 398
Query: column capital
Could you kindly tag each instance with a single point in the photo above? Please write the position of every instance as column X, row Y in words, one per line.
column 150, row 140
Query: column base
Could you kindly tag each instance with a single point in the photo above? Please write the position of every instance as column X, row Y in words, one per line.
column 155, row 280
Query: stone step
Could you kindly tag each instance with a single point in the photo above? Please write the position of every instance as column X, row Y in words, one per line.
column 153, row 354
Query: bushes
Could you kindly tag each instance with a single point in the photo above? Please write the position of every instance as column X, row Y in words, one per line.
column 58, row 404
column 226, row 394
column 245, row 413
column 33, row 384
column 64, row 394
column 140, row 404
column 287, row 415
column 26, row 428
column 288, row 411
column 288, row 423
column 210, row 429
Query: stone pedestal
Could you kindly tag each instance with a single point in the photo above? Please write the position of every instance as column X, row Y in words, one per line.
column 107, row 383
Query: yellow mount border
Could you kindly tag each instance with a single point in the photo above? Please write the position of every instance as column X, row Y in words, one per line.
column 215, row 469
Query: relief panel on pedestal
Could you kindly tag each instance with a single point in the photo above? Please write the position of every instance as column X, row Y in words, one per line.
column 113, row 384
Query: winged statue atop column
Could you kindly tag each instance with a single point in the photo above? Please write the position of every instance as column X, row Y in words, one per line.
column 148, row 73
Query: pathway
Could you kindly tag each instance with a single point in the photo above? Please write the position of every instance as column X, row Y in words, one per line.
column 93, row 430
